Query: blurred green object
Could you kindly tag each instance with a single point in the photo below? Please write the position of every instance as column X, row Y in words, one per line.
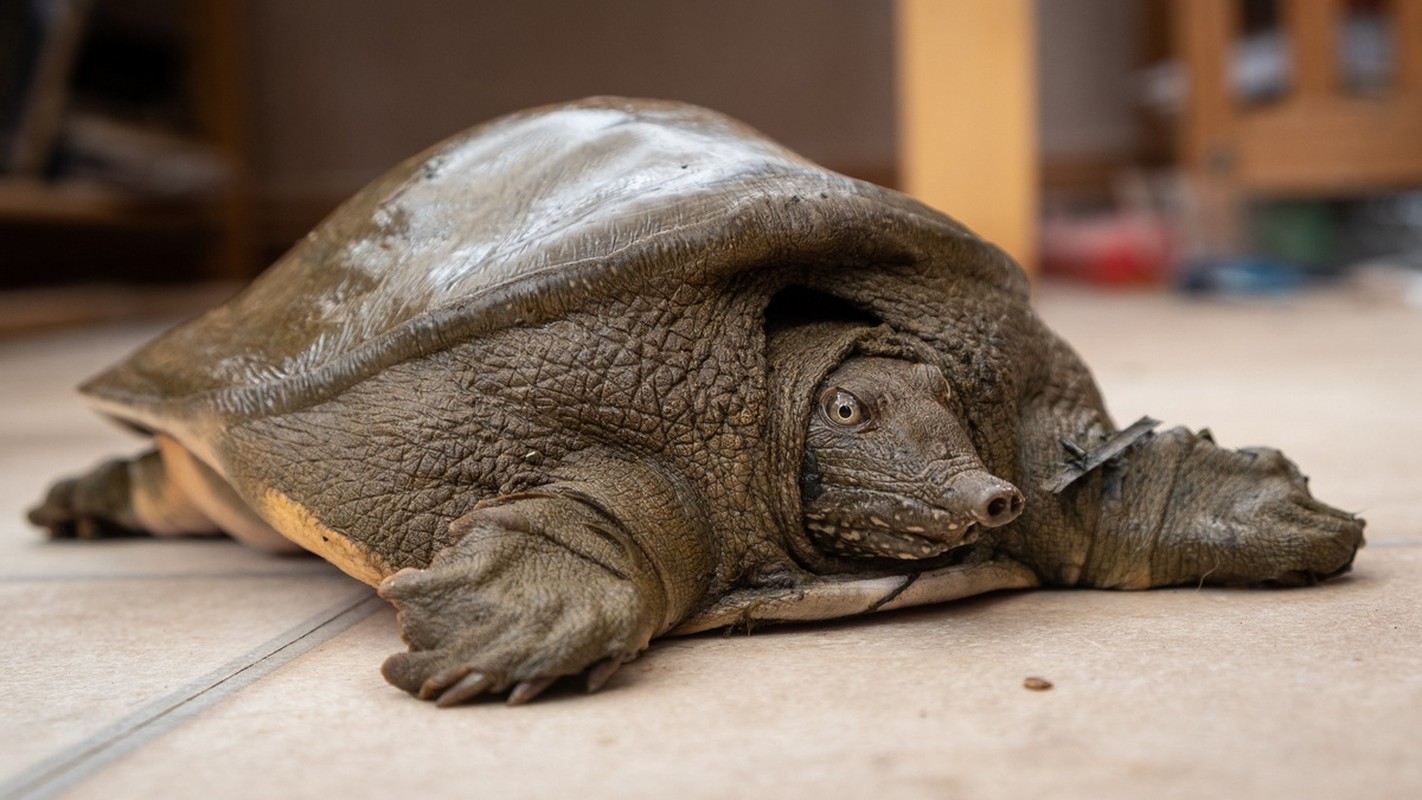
column 1300, row 232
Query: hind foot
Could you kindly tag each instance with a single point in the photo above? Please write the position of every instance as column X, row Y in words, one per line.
column 93, row 506
column 123, row 497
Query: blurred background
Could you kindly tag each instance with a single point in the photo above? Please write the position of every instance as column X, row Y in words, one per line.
column 1208, row 146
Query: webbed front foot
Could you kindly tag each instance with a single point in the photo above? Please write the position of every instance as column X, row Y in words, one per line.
column 539, row 589
column 1188, row 511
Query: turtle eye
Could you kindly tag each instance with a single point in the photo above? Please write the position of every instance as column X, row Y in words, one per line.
column 843, row 408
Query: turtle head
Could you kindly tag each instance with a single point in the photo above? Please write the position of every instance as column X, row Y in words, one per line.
column 889, row 471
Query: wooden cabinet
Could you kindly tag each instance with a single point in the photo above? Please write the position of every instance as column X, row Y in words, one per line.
column 1319, row 137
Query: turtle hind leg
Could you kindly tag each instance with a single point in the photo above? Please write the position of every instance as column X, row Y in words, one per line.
column 122, row 497
column 1182, row 510
column 164, row 492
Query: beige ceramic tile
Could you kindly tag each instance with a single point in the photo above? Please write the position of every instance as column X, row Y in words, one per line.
column 1180, row 693
column 84, row 655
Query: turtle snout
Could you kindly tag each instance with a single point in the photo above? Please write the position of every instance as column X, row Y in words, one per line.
column 991, row 501
column 1002, row 507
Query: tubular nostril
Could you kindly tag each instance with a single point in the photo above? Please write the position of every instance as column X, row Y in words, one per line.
column 989, row 500
column 1001, row 508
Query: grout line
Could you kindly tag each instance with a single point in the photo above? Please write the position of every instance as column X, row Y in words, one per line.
column 79, row 761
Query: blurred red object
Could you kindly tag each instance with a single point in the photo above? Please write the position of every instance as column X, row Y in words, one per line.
column 1125, row 248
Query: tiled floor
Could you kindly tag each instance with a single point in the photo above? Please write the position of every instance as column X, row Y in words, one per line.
column 200, row 669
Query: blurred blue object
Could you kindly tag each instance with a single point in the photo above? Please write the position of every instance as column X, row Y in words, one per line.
column 1240, row 275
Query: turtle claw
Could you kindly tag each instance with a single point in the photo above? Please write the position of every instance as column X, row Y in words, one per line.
column 602, row 672
column 528, row 690
column 439, row 682
column 464, row 690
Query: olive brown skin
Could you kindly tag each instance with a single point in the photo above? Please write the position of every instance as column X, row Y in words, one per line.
column 889, row 472
column 551, row 386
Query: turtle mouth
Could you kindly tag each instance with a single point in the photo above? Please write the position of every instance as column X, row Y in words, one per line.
column 905, row 533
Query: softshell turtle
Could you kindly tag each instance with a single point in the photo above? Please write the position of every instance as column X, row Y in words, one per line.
column 590, row 374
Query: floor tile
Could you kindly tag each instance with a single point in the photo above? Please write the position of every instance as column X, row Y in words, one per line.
column 86, row 659
column 1177, row 693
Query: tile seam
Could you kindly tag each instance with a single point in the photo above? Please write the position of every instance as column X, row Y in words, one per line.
column 77, row 762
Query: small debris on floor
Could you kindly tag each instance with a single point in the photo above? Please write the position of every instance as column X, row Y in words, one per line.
column 1037, row 684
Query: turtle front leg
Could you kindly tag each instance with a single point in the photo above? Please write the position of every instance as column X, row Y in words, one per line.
column 1182, row 510
column 569, row 578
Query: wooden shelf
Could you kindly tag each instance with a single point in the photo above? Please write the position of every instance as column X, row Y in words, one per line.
column 207, row 38
column 27, row 200
column 24, row 311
